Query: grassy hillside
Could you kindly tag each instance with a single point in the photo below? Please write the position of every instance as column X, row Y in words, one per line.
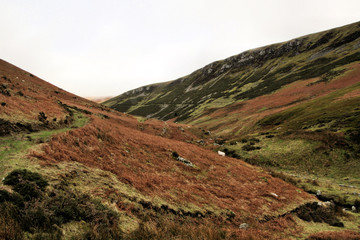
column 245, row 76
column 73, row 169
column 291, row 108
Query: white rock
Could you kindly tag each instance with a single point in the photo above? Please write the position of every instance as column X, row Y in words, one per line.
column 274, row 194
column 244, row 226
column 353, row 209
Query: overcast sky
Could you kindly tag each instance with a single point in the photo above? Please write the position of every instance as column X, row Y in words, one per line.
column 107, row 47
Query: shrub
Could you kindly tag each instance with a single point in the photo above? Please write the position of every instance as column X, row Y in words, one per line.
column 28, row 184
column 20, row 93
column 231, row 153
column 254, row 140
column 28, row 190
column 314, row 212
column 9, row 227
column 175, row 155
column 4, row 196
column 220, row 141
column 20, row 175
column 41, row 216
column 42, row 117
column 248, row 147
column 357, row 205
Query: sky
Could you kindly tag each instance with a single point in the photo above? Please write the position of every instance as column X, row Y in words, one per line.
column 107, row 47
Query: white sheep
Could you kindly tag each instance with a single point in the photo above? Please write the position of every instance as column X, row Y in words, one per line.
column 221, row 153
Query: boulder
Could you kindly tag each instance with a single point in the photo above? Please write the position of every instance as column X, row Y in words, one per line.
column 244, row 226
column 353, row 209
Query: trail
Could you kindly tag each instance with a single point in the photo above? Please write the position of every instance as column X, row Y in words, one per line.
column 13, row 149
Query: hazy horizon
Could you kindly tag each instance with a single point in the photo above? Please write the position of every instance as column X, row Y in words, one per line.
column 104, row 48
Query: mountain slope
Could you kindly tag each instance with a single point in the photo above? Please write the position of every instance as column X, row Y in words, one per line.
column 111, row 175
column 306, row 88
column 245, row 76
column 291, row 108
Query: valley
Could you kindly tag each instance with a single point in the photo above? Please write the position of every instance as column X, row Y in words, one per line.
column 145, row 164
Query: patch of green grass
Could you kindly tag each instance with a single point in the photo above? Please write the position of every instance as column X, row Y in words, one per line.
column 351, row 222
column 341, row 190
column 14, row 148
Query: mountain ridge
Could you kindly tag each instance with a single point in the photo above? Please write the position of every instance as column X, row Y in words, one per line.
column 222, row 72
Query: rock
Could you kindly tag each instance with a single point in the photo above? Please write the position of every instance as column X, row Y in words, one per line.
column 221, row 153
column 331, row 203
column 318, row 193
column 353, row 209
column 186, row 162
column 274, row 195
column 244, row 226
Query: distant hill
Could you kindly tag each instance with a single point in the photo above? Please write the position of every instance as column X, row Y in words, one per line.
column 99, row 99
column 246, row 76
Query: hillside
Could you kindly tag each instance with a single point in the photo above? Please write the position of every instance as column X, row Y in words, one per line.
column 291, row 108
column 246, row 76
column 302, row 94
column 73, row 169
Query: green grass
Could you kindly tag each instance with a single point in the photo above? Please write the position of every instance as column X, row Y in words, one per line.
column 305, row 143
column 14, row 148
column 351, row 222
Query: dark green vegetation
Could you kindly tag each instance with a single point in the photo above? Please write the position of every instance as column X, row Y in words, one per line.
column 37, row 211
column 315, row 212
